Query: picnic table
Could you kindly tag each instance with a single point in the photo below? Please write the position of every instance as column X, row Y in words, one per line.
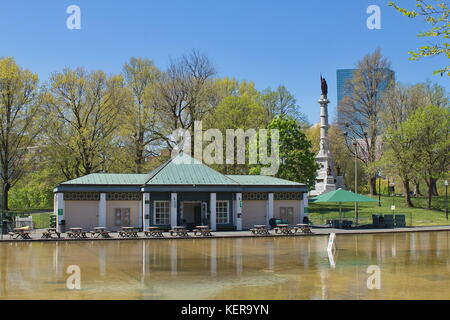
column 284, row 229
column 50, row 233
column 22, row 233
column 100, row 232
column 260, row 229
column 154, row 232
column 204, row 231
column 129, row 232
column 304, row 228
column 77, row 233
column 179, row 231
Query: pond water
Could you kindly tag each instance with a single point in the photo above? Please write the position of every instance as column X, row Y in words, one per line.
column 412, row 266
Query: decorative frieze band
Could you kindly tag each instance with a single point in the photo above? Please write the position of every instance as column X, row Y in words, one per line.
column 95, row 196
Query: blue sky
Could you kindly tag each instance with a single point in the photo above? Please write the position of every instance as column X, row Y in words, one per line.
column 285, row 42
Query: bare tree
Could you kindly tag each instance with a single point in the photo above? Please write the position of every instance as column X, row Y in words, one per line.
column 360, row 111
column 183, row 94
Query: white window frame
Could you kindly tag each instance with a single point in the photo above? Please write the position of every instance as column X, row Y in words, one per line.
column 156, row 204
column 220, row 219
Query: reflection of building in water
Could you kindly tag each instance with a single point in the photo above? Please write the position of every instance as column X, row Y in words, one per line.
column 173, row 258
column 213, row 256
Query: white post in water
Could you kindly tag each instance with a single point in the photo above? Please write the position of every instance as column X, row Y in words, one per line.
column 330, row 248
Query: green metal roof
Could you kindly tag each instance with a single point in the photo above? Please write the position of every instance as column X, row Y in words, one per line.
column 341, row 195
column 110, row 179
column 185, row 170
column 181, row 170
column 248, row 180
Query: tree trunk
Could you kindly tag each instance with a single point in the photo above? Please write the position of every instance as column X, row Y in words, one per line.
column 417, row 189
column 407, row 190
column 373, row 186
column 430, row 192
column 434, row 184
column 6, row 187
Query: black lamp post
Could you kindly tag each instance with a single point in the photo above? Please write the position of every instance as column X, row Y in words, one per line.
column 446, row 198
column 379, row 188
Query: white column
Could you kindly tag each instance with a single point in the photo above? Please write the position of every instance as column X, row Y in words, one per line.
column 102, row 210
column 212, row 207
column 173, row 210
column 304, row 207
column 270, row 203
column 238, row 211
column 145, row 210
column 59, row 209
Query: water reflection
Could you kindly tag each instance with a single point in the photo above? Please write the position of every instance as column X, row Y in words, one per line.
column 413, row 265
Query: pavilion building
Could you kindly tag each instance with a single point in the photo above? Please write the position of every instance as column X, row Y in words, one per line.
column 182, row 191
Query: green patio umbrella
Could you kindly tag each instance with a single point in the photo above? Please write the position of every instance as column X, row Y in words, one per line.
column 340, row 196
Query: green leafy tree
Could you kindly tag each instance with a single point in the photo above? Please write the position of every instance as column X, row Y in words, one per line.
column 436, row 13
column 428, row 128
column 83, row 110
column 20, row 114
column 138, row 125
column 281, row 102
column 399, row 156
column 241, row 112
column 298, row 162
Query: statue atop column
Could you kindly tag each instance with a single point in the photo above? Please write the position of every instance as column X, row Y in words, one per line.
column 326, row 179
column 324, row 86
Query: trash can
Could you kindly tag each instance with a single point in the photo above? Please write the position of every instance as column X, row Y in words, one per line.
column 375, row 220
column 4, row 227
column 400, row 221
column 389, row 220
column 62, row 226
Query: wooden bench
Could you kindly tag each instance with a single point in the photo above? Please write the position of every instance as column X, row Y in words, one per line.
column 77, row 233
column 260, row 230
column 20, row 233
column 203, row 231
column 284, row 229
column 100, row 232
column 129, row 232
column 50, row 233
column 179, row 231
column 304, row 228
column 154, row 232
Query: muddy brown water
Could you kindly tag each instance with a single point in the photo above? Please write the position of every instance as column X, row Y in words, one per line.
column 412, row 266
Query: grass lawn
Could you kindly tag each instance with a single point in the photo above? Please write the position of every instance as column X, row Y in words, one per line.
column 417, row 216
column 41, row 218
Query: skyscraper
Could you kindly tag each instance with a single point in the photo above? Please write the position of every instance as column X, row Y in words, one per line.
column 344, row 75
